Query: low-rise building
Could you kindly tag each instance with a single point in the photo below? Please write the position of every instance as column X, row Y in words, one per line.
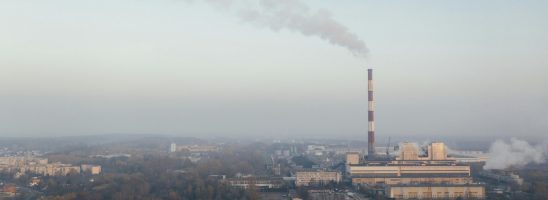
column 197, row 148
column 25, row 164
column 92, row 169
column 433, row 191
column 352, row 158
column 34, row 181
column 53, row 169
column 316, row 177
column 262, row 183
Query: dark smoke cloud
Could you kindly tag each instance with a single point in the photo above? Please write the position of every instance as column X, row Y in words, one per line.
column 296, row 16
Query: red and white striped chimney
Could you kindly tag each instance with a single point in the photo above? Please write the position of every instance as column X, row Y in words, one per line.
column 370, row 115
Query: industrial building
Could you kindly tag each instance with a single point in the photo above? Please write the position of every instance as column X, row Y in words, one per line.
column 430, row 191
column 414, row 172
column 410, row 167
column 352, row 158
column 416, row 175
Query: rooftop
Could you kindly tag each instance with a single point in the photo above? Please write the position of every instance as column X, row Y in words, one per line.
column 426, row 175
column 438, row 185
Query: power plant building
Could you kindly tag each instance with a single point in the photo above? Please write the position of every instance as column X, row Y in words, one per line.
column 466, row 191
column 352, row 158
column 415, row 173
column 410, row 167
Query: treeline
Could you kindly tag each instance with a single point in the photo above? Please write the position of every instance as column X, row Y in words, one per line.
column 175, row 186
column 154, row 176
column 537, row 180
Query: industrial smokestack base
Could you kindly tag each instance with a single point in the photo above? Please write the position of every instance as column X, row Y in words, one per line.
column 370, row 116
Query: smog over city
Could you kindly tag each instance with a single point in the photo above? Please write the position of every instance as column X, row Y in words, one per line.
column 273, row 99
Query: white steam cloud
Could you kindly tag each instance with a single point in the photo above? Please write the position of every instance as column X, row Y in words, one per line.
column 516, row 153
column 294, row 15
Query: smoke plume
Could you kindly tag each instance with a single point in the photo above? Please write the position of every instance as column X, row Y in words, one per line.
column 516, row 153
column 295, row 16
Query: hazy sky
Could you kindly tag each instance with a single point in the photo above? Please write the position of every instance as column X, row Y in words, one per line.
column 448, row 68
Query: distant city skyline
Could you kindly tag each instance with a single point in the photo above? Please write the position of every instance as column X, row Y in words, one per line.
column 442, row 69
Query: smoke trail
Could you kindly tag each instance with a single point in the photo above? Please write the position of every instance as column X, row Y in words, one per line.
column 516, row 153
column 296, row 16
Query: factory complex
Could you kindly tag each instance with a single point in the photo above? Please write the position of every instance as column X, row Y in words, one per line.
column 414, row 172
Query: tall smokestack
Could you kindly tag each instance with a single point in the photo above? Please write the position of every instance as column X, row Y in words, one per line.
column 370, row 115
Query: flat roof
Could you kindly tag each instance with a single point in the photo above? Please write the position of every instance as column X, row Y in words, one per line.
column 426, row 175
column 316, row 170
column 418, row 164
column 439, row 185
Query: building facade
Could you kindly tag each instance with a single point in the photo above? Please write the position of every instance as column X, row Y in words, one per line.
column 467, row 191
column 262, row 183
column 307, row 178
column 34, row 165
column 92, row 169
column 352, row 158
